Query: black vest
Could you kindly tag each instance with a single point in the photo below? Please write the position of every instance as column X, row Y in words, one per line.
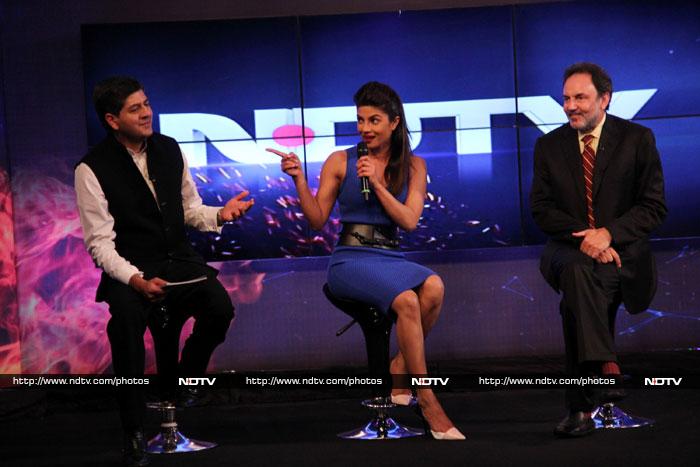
column 144, row 233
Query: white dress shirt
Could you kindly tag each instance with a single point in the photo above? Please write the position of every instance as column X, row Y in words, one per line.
column 98, row 223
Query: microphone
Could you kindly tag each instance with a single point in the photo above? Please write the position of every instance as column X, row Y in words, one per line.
column 363, row 151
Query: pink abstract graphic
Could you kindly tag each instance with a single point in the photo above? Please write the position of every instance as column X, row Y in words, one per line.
column 9, row 321
column 243, row 284
column 62, row 329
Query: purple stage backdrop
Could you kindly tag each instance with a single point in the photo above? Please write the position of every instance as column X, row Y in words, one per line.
column 496, row 304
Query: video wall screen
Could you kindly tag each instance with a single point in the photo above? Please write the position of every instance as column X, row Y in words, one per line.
column 442, row 91
column 479, row 86
column 652, row 52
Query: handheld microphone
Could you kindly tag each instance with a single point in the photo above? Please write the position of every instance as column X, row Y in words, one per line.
column 363, row 151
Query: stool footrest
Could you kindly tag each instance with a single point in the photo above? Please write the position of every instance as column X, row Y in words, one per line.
column 379, row 403
column 610, row 417
column 174, row 441
column 170, row 440
column 382, row 426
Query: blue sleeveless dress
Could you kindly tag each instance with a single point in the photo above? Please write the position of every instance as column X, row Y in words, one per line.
column 371, row 275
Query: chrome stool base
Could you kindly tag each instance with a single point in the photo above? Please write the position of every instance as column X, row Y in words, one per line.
column 170, row 440
column 610, row 417
column 382, row 426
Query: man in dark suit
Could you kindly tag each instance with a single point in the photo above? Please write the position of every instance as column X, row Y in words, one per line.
column 597, row 192
column 136, row 196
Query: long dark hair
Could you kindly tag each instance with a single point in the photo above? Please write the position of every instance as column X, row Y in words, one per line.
column 380, row 95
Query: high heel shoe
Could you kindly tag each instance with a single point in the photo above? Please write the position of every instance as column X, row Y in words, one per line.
column 452, row 434
column 406, row 400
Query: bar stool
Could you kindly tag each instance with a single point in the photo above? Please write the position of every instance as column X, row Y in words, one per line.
column 170, row 440
column 376, row 328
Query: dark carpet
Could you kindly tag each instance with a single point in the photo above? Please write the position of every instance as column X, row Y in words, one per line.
column 504, row 427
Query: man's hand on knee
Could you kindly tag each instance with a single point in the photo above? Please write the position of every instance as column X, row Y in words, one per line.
column 595, row 241
column 608, row 256
column 152, row 289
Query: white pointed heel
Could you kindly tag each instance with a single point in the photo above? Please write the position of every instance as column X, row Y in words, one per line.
column 404, row 399
column 453, row 434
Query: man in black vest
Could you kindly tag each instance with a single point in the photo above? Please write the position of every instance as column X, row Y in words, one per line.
column 135, row 196
column 597, row 192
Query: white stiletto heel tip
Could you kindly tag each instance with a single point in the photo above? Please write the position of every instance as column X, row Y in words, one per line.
column 453, row 434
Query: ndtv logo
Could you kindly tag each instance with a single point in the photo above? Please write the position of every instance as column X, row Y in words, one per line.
column 282, row 128
column 429, row 381
column 196, row 381
column 662, row 381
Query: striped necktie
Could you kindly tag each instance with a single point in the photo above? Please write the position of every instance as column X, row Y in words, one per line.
column 588, row 157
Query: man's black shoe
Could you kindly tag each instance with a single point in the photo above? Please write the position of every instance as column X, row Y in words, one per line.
column 192, row 397
column 135, row 449
column 574, row 425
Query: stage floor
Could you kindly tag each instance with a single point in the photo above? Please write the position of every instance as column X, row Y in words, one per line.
column 504, row 427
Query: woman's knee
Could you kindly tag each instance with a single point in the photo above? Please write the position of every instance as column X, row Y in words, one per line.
column 407, row 305
column 433, row 289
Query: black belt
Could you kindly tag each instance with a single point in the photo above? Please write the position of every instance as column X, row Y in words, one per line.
column 374, row 236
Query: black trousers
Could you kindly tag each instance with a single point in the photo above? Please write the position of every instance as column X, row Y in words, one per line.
column 590, row 299
column 207, row 301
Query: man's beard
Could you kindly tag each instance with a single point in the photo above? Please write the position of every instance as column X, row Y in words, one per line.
column 588, row 125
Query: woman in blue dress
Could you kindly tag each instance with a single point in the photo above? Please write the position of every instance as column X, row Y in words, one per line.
column 366, row 264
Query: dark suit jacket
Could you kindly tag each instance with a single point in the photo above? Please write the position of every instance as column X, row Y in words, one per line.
column 628, row 199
